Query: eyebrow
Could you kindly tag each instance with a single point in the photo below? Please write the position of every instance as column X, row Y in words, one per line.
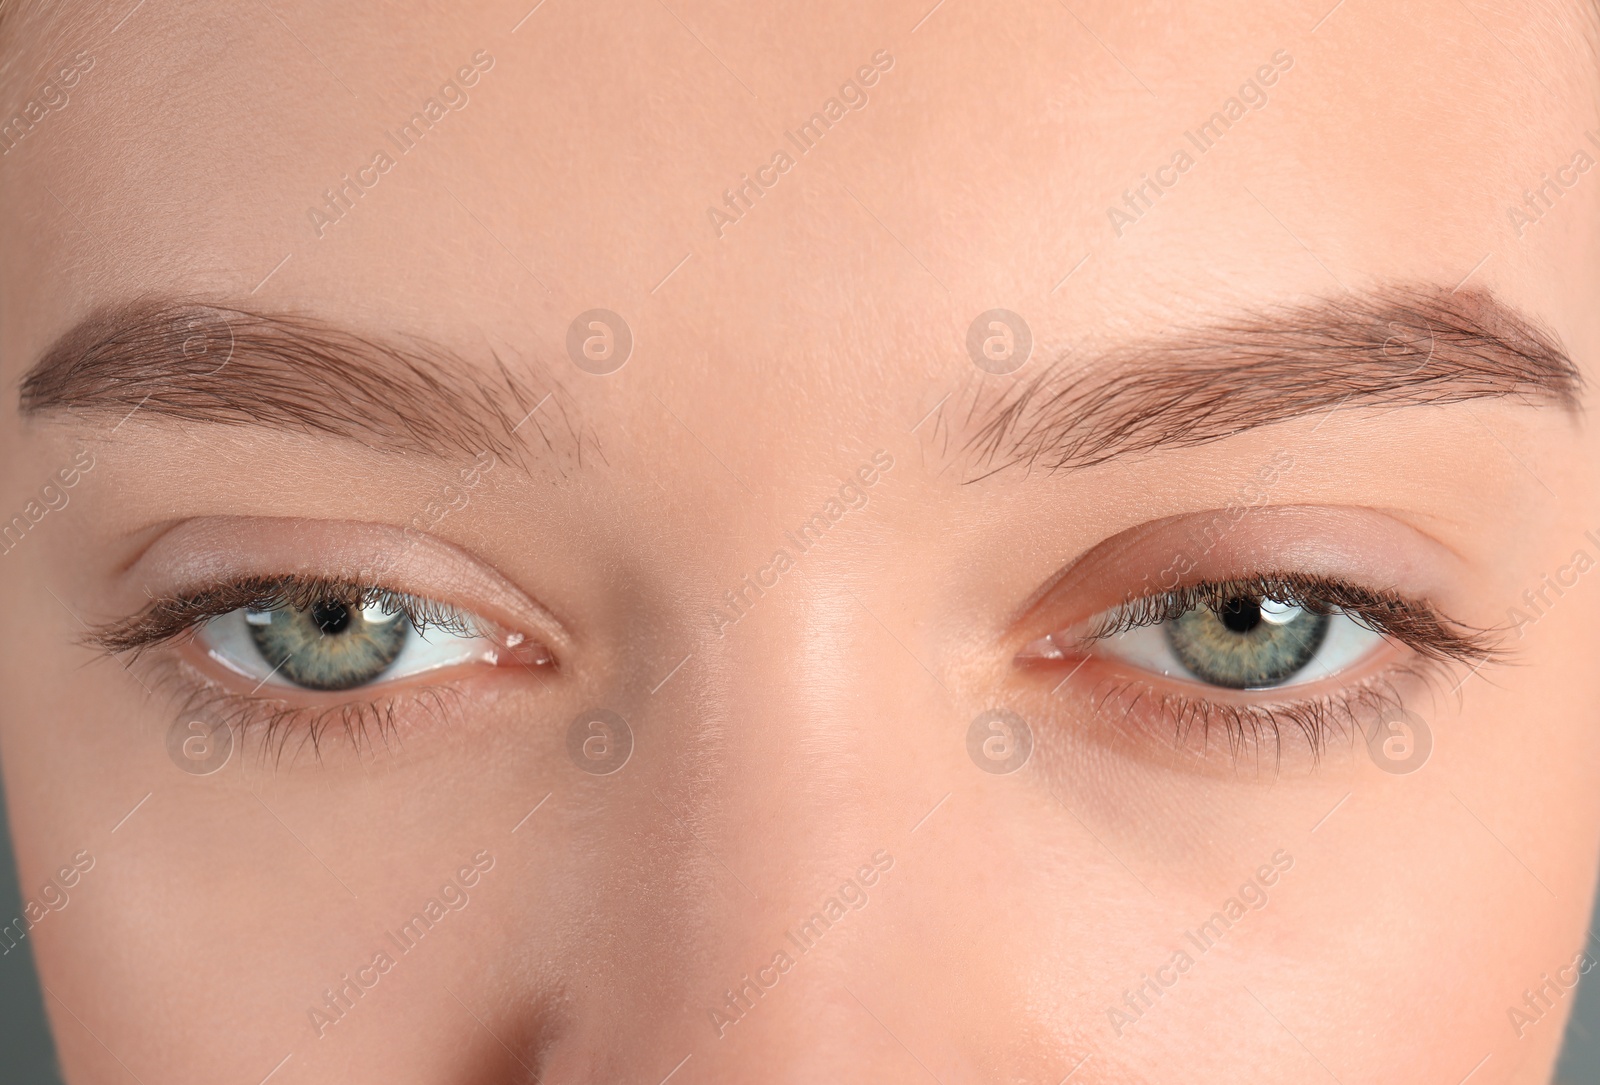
column 205, row 363
column 1396, row 347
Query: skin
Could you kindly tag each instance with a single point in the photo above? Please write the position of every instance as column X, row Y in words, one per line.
column 830, row 723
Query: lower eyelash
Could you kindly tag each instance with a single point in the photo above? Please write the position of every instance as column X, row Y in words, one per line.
column 272, row 722
column 1318, row 721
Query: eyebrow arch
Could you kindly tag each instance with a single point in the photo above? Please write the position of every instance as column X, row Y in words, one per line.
column 202, row 363
column 1399, row 346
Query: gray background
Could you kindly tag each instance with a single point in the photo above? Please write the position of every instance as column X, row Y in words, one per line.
column 27, row 1056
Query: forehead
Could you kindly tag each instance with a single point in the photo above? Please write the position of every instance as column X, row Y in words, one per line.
column 832, row 191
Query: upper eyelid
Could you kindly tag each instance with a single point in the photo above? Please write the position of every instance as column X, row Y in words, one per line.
column 193, row 555
column 1345, row 541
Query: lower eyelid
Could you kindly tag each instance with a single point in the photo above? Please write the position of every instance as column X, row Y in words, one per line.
column 1197, row 728
column 284, row 720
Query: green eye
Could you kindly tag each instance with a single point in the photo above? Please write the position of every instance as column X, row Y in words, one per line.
column 1247, row 643
column 1236, row 639
column 1272, row 631
column 328, row 645
column 324, row 634
column 340, row 642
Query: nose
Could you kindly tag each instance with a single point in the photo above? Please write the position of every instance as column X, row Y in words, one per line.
column 776, row 804
column 799, row 874
column 777, row 830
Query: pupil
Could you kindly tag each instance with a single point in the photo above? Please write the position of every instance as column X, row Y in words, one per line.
column 1240, row 615
column 331, row 617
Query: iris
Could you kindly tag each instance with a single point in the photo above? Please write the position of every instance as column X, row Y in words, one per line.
column 330, row 645
column 1247, row 643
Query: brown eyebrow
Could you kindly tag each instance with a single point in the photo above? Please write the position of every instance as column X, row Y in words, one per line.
column 219, row 364
column 1396, row 347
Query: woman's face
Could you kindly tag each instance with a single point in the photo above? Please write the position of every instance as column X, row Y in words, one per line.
column 1010, row 542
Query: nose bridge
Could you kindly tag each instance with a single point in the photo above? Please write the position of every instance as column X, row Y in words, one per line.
column 773, row 759
column 821, row 712
column 764, row 818
column 791, row 667
column 784, row 794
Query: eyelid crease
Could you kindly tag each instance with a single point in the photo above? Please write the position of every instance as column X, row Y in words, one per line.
column 1417, row 624
column 193, row 555
column 1336, row 541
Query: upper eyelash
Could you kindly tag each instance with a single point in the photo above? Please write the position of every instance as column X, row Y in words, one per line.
column 1416, row 624
column 166, row 619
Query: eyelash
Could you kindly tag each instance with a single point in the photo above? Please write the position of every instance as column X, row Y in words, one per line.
column 167, row 619
column 1416, row 624
column 1318, row 720
column 275, row 722
column 271, row 719
column 1437, row 641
